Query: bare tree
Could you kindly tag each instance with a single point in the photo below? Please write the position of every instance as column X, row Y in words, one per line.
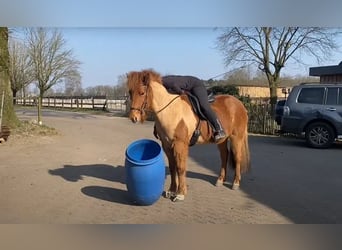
column 239, row 76
column 51, row 60
column 121, row 87
column 20, row 68
column 270, row 48
column 99, row 90
column 73, row 85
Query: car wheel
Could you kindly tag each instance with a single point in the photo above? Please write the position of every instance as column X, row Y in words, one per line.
column 319, row 135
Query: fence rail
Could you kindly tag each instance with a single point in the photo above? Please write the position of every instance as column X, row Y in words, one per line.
column 117, row 104
column 260, row 116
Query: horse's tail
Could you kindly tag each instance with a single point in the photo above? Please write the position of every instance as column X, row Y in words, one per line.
column 245, row 163
column 245, row 157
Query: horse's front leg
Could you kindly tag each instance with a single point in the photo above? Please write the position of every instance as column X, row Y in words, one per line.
column 172, row 191
column 224, row 154
column 180, row 151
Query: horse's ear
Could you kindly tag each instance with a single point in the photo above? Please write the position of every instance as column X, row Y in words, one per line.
column 145, row 78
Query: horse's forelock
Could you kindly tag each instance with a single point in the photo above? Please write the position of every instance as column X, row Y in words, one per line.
column 135, row 78
column 151, row 75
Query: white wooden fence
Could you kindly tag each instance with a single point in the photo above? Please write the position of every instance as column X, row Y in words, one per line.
column 117, row 104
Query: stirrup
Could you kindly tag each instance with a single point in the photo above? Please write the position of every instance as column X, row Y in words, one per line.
column 219, row 135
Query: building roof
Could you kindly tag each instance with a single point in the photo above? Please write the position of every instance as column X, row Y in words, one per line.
column 326, row 70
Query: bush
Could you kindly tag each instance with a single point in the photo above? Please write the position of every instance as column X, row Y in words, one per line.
column 260, row 117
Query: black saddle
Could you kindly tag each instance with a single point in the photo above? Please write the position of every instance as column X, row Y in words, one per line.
column 196, row 106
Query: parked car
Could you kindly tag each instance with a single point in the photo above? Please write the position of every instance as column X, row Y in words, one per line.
column 279, row 108
column 314, row 110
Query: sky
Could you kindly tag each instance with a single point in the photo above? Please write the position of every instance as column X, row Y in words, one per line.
column 107, row 53
column 111, row 38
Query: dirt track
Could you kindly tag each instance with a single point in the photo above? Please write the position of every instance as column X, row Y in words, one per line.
column 78, row 177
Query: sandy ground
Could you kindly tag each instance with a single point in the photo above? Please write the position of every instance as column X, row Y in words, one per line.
column 78, row 176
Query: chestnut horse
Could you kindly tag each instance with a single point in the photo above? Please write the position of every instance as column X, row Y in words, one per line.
column 175, row 123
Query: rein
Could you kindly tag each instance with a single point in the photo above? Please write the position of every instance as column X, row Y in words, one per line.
column 142, row 109
column 160, row 110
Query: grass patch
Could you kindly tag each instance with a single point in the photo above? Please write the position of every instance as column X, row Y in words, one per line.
column 27, row 128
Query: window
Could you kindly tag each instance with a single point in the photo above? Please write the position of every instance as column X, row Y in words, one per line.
column 311, row 95
column 332, row 96
column 339, row 96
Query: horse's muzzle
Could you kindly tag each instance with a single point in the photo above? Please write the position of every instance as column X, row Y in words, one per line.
column 134, row 116
column 134, row 119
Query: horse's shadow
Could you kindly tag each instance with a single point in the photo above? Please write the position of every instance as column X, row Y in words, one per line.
column 108, row 194
column 196, row 175
column 208, row 156
column 74, row 173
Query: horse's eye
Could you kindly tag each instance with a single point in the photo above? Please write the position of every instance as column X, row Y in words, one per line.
column 141, row 93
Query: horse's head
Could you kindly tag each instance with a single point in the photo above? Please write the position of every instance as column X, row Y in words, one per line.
column 140, row 96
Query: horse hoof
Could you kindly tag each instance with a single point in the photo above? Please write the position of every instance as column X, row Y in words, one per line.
column 178, row 197
column 219, row 183
column 169, row 194
column 235, row 186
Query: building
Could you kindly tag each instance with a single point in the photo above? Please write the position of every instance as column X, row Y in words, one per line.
column 331, row 73
column 255, row 92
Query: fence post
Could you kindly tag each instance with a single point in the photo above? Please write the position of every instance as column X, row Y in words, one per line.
column 2, row 107
column 264, row 120
column 40, row 101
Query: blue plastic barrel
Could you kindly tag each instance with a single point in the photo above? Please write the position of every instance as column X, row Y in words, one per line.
column 145, row 171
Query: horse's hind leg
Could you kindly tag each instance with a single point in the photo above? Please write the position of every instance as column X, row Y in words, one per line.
column 224, row 154
column 236, row 148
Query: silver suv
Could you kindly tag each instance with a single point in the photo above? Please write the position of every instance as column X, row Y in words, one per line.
column 314, row 110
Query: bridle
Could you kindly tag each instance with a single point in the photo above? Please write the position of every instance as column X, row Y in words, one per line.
column 143, row 109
